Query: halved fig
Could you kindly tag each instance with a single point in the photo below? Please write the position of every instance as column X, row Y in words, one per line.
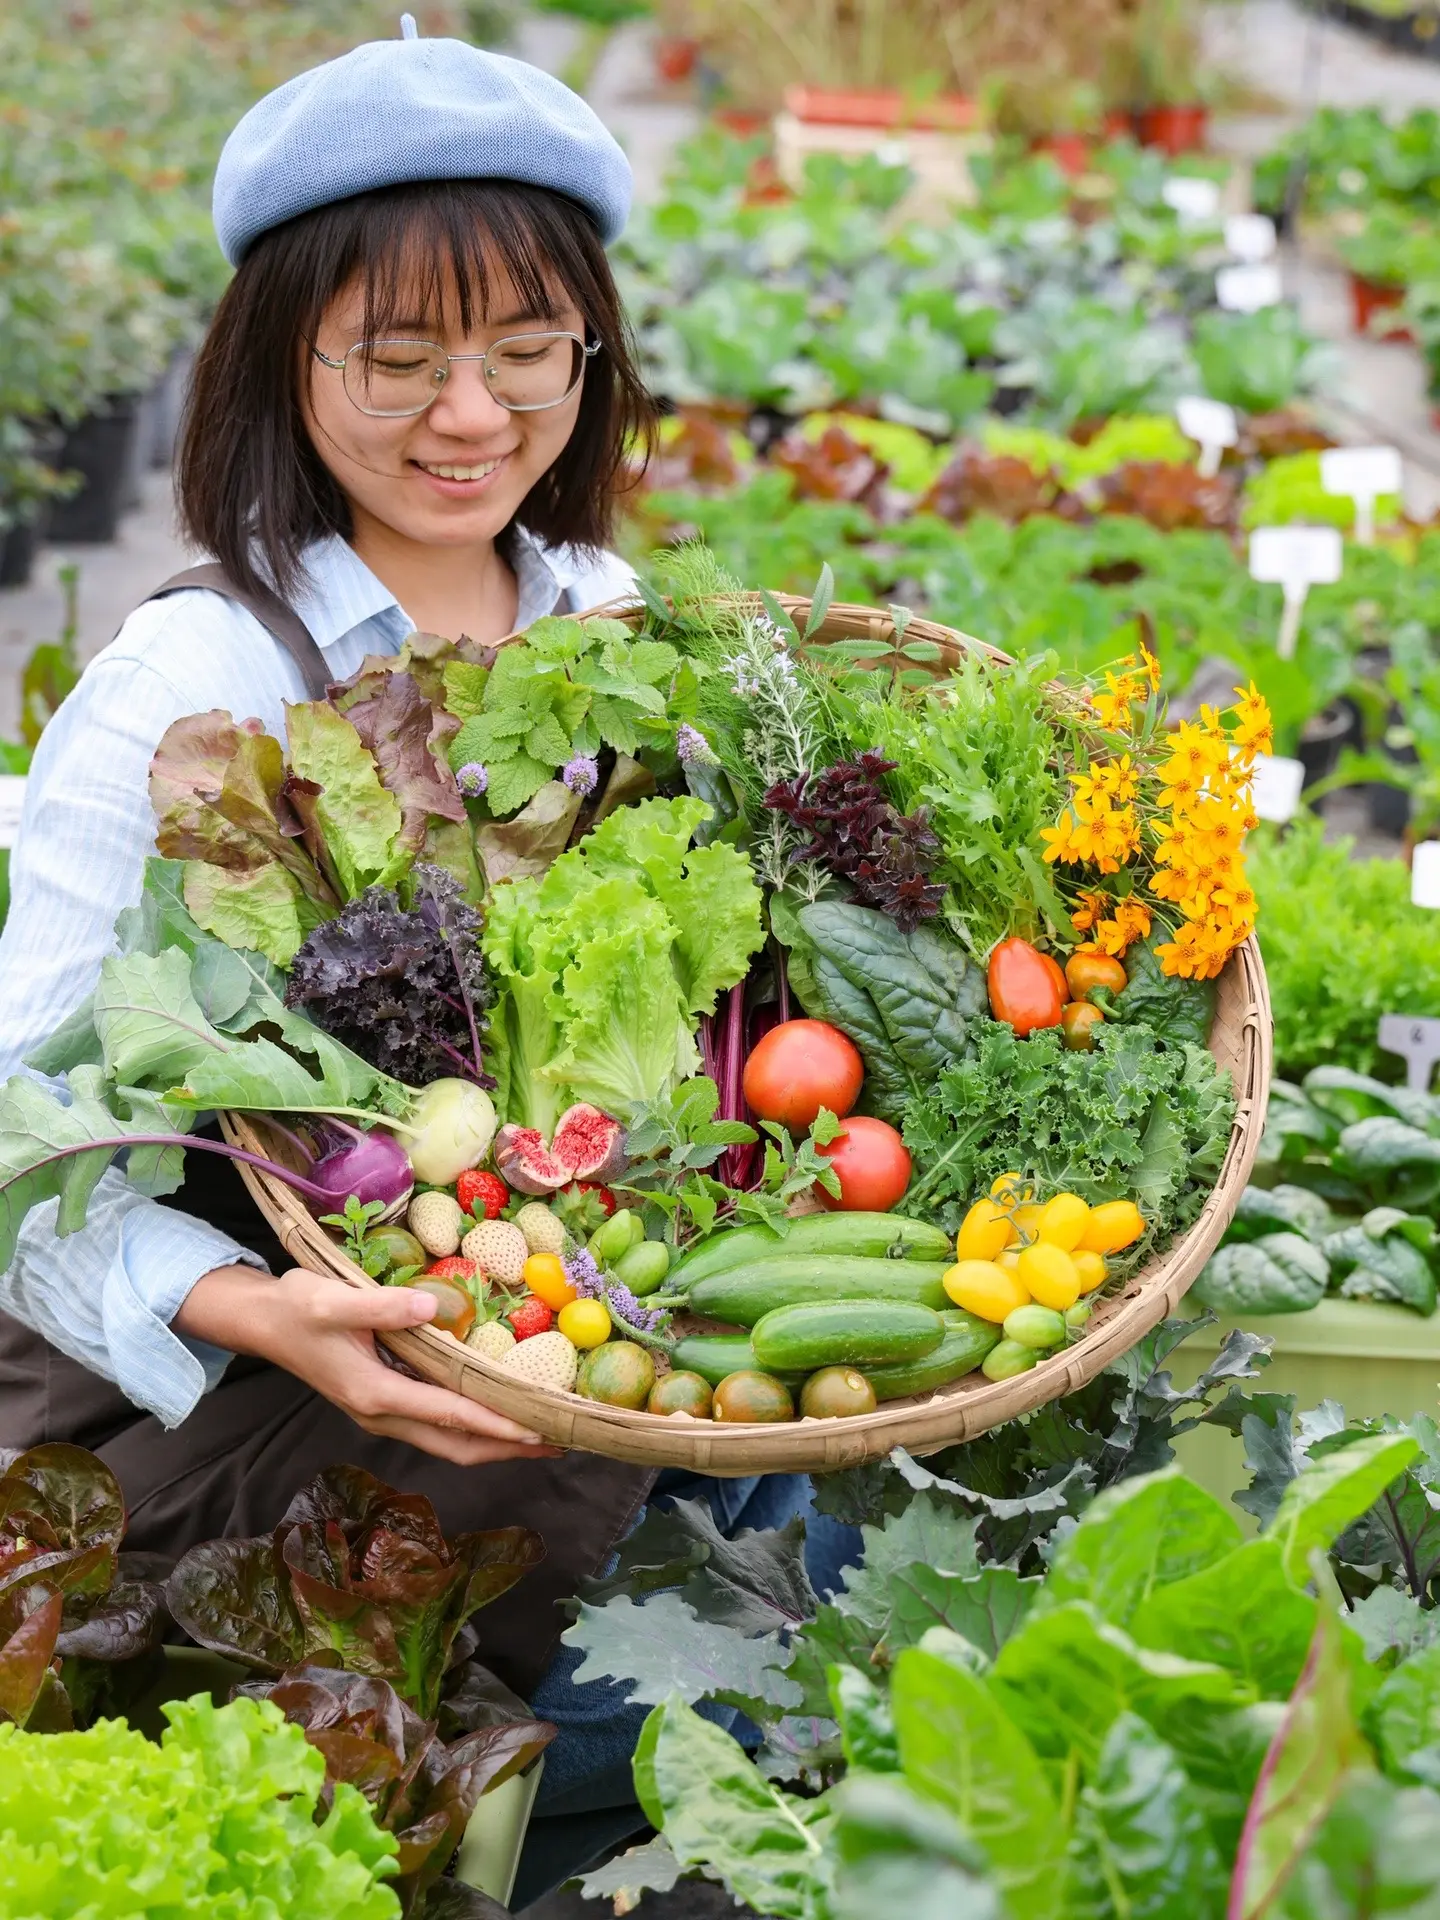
column 589, row 1143
column 524, row 1162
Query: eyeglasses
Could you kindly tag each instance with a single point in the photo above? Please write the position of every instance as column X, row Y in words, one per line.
column 525, row 373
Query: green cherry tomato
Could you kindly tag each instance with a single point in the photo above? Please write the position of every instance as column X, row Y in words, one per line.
column 1008, row 1359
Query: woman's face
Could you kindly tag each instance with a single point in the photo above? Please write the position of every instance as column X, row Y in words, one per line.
column 454, row 475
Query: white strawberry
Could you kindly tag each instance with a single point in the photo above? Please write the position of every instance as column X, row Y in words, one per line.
column 498, row 1249
column 543, row 1232
column 546, row 1360
column 436, row 1221
column 492, row 1339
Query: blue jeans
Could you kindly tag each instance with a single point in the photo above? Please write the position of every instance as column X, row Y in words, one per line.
column 587, row 1766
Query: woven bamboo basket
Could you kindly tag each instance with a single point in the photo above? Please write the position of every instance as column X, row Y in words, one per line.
column 1240, row 1041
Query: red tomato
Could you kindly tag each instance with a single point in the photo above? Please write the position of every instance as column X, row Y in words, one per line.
column 1027, row 988
column 800, row 1067
column 873, row 1163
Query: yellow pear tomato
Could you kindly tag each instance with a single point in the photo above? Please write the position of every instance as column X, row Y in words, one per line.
column 1010, row 1188
column 544, row 1274
column 985, row 1232
column 1049, row 1275
column 1091, row 1269
column 1062, row 1221
column 984, row 1289
column 1116, row 1224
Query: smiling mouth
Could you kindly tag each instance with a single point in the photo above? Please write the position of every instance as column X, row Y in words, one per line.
column 448, row 470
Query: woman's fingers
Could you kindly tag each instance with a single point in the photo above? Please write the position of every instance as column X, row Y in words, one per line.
column 392, row 1396
column 335, row 1303
column 462, row 1449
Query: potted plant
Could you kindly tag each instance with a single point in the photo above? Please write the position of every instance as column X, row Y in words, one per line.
column 1173, row 114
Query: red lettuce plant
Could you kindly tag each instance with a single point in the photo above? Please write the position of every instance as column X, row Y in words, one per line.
column 357, row 1576
column 76, row 1618
column 419, row 1788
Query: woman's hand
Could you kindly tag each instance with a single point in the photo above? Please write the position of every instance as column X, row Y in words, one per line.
column 323, row 1331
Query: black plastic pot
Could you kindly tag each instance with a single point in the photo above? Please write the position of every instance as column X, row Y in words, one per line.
column 19, row 546
column 1389, row 809
column 100, row 449
column 1323, row 737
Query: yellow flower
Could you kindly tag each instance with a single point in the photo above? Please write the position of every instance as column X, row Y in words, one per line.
column 1151, row 666
column 1113, row 708
column 1059, row 841
column 1116, row 777
column 1133, row 920
column 1089, row 909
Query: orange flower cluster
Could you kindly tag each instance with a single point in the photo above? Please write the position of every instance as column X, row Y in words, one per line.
column 1172, row 815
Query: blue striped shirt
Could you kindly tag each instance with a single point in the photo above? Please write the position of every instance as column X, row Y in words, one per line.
column 106, row 1295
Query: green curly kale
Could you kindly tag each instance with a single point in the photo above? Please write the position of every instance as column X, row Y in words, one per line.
column 1132, row 1120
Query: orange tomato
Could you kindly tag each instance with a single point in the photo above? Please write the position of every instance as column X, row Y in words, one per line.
column 544, row 1274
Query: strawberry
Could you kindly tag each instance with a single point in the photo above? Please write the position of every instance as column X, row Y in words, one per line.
column 453, row 1268
column 484, row 1196
column 532, row 1316
column 583, row 1206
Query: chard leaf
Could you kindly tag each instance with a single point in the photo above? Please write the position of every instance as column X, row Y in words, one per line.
column 897, row 1853
column 1142, row 1843
column 717, row 1811
column 867, row 1726
column 959, row 1747
column 1374, row 1854
column 665, row 1650
column 1310, row 1762
column 1143, row 1534
column 1242, row 1613
column 1403, row 1719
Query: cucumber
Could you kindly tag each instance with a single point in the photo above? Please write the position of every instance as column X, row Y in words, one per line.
column 967, row 1341
column 714, row 1356
column 740, row 1298
column 868, row 1234
column 845, row 1333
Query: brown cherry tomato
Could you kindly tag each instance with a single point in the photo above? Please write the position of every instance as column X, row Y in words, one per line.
column 1086, row 971
column 1078, row 1022
column 1027, row 988
column 454, row 1311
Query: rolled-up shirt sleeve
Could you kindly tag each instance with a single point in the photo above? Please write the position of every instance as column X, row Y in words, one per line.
column 107, row 1294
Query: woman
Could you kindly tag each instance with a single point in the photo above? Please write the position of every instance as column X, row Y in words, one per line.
column 411, row 411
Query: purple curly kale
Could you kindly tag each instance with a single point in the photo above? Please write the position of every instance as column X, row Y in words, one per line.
column 404, row 988
column 859, row 836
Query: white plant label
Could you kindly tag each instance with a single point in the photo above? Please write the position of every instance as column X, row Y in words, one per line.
column 1364, row 473
column 1196, row 201
column 1248, row 288
column 1425, row 874
column 12, row 799
column 1295, row 559
column 1212, row 424
column 1416, row 1041
column 1250, row 237
column 1275, row 786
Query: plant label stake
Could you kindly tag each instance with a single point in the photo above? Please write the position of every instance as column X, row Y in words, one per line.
column 1295, row 559
column 1248, row 288
column 12, row 799
column 1364, row 473
column 1275, row 786
column 1425, row 874
column 1212, row 424
column 1418, row 1044
column 1250, row 237
column 1195, row 201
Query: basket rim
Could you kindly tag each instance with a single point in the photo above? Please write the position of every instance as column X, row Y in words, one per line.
column 946, row 1415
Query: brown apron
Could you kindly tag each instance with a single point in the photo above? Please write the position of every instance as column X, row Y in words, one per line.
column 252, row 1443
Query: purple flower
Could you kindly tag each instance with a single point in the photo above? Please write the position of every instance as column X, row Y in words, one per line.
column 627, row 1309
column 583, row 1274
column 692, row 747
column 472, row 779
column 580, row 774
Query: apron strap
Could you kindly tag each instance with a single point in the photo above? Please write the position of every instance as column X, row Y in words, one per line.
column 278, row 620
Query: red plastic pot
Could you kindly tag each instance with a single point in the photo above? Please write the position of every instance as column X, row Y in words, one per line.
column 742, row 122
column 1071, row 152
column 883, row 107
column 1174, row 130
column 1371, row 297
column 1119, row 124
column 675, row 59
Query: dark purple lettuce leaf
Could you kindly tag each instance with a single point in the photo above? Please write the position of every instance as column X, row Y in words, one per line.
column 475, row 1699
column 70, row 1489
column 355, row 1575
column 404, row 988
column 228, row 1595
column 127, row 1621
column 420, row 1789
column 450, row 1900
column 27, row 1646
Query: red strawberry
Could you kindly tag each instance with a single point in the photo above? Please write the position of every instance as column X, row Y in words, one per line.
column 583, row 1206
column 452, row 1267
column 483, row 1195
column 530, row 1317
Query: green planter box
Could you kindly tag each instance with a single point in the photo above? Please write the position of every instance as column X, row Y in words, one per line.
column 1372, row 1359
column 489, row 1855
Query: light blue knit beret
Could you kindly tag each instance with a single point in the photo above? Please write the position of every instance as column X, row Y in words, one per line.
column 410, row 109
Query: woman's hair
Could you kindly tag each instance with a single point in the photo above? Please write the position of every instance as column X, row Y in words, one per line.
column 250, row 483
